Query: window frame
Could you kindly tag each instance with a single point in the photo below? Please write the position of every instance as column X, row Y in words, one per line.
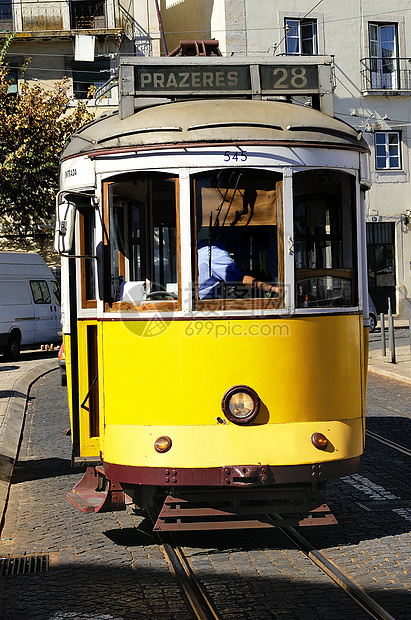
column 88, row 266
column 367, row 87
column 301, row 24
column 387, row 154
column 298, row 15
column 110, row 304
column 252, row 303
column 380, row 59
column 342, row 271
column 43, row 301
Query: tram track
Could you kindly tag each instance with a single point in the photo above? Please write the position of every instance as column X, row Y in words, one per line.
column 202, row 606
column 198, row 600
column 387, row 442
column 375, row 403
column 337, row 576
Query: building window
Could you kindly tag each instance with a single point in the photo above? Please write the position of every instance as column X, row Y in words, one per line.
column 381, row 264
column 387, row 150
column 11, row 77
column 87, row 14
column 6, row 15
column 90, row 74
column 6, row 10
column 301, row 36
column 384, row 56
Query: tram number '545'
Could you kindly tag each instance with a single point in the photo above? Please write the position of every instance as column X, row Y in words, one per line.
column 242, row 156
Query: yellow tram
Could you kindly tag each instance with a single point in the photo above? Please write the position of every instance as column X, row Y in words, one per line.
column 215, row 314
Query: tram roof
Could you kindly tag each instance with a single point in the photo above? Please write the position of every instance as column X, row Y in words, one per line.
column 224, row 121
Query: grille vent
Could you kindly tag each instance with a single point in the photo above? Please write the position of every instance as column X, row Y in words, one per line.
column 24, row 564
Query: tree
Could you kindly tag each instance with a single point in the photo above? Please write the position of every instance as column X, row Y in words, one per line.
column 34, row 126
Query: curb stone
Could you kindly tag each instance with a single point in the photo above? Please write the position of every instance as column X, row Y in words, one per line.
column 389, row 374
column 10, row 431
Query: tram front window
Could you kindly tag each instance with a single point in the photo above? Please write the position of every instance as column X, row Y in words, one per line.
column 237, row 222
column 143, row 239
column 324, row 229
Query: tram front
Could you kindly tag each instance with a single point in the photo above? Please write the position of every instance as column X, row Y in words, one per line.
column 215, row 322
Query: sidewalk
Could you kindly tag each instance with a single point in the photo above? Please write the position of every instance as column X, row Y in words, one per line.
column 401, row 370
column 381, row 365
column 16, row 379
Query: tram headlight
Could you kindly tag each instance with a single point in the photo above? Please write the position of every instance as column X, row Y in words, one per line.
column 162, row 444
column 240, row 404
column 319, row 440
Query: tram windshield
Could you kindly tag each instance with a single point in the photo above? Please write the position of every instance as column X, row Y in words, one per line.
column 237, row 227
column 325, row 246
column 143, row 238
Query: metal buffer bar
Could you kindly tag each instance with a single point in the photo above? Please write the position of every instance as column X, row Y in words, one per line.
column 198, row 511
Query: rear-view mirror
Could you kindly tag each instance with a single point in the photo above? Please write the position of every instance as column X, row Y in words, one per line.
column 64, row 227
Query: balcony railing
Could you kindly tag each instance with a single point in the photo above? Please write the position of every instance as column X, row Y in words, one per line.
column 46, row 15
column 385, row 74
column 58, row 18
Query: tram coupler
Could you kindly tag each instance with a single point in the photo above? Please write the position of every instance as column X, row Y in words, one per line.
column 94, row 493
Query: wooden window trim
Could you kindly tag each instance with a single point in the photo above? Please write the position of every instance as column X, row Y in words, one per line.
column 148, row 306
column 256, row 303
column 85, row 302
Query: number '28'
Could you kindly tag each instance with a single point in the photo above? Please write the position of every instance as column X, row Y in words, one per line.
column 297, row 80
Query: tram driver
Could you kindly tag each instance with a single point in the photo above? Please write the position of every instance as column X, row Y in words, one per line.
column 236, row 215
column 216, row 268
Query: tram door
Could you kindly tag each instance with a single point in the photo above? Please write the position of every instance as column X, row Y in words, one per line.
column 89, row 336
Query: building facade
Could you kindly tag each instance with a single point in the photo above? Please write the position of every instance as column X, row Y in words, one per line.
column 78, row 39
column 370, row 43
column 83, row 41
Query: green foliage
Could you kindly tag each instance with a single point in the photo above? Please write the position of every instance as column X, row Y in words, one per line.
column 34, row 127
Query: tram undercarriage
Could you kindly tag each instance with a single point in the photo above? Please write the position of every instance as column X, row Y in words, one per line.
column 247, row 497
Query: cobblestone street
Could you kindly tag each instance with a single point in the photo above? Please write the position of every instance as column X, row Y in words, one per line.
column 103, row 571
column 109, row 566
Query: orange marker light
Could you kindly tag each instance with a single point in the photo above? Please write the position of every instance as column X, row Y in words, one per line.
column 319, row 440
column 162, row 444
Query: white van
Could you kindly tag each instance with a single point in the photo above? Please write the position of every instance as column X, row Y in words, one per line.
column 30, row 310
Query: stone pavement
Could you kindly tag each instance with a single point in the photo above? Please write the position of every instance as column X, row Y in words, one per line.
column 378, row 364
column 16, row 379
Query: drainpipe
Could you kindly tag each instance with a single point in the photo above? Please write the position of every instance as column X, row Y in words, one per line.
column 160, row 25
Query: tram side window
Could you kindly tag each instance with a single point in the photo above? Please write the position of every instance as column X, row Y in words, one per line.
column 88, row 248
column 325, row 241
column 237, row 228
column 143, row 239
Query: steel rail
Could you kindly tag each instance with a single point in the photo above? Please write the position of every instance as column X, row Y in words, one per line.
column 199, row 601
column 388, row 443
column 391, row 409
column 359, row 596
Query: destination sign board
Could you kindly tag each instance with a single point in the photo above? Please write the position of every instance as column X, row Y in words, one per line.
column 280, row 78
column 179, row 79
column 251, row 77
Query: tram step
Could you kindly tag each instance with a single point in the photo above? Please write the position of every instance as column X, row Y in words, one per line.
column 94, row 493
column 79, row 502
